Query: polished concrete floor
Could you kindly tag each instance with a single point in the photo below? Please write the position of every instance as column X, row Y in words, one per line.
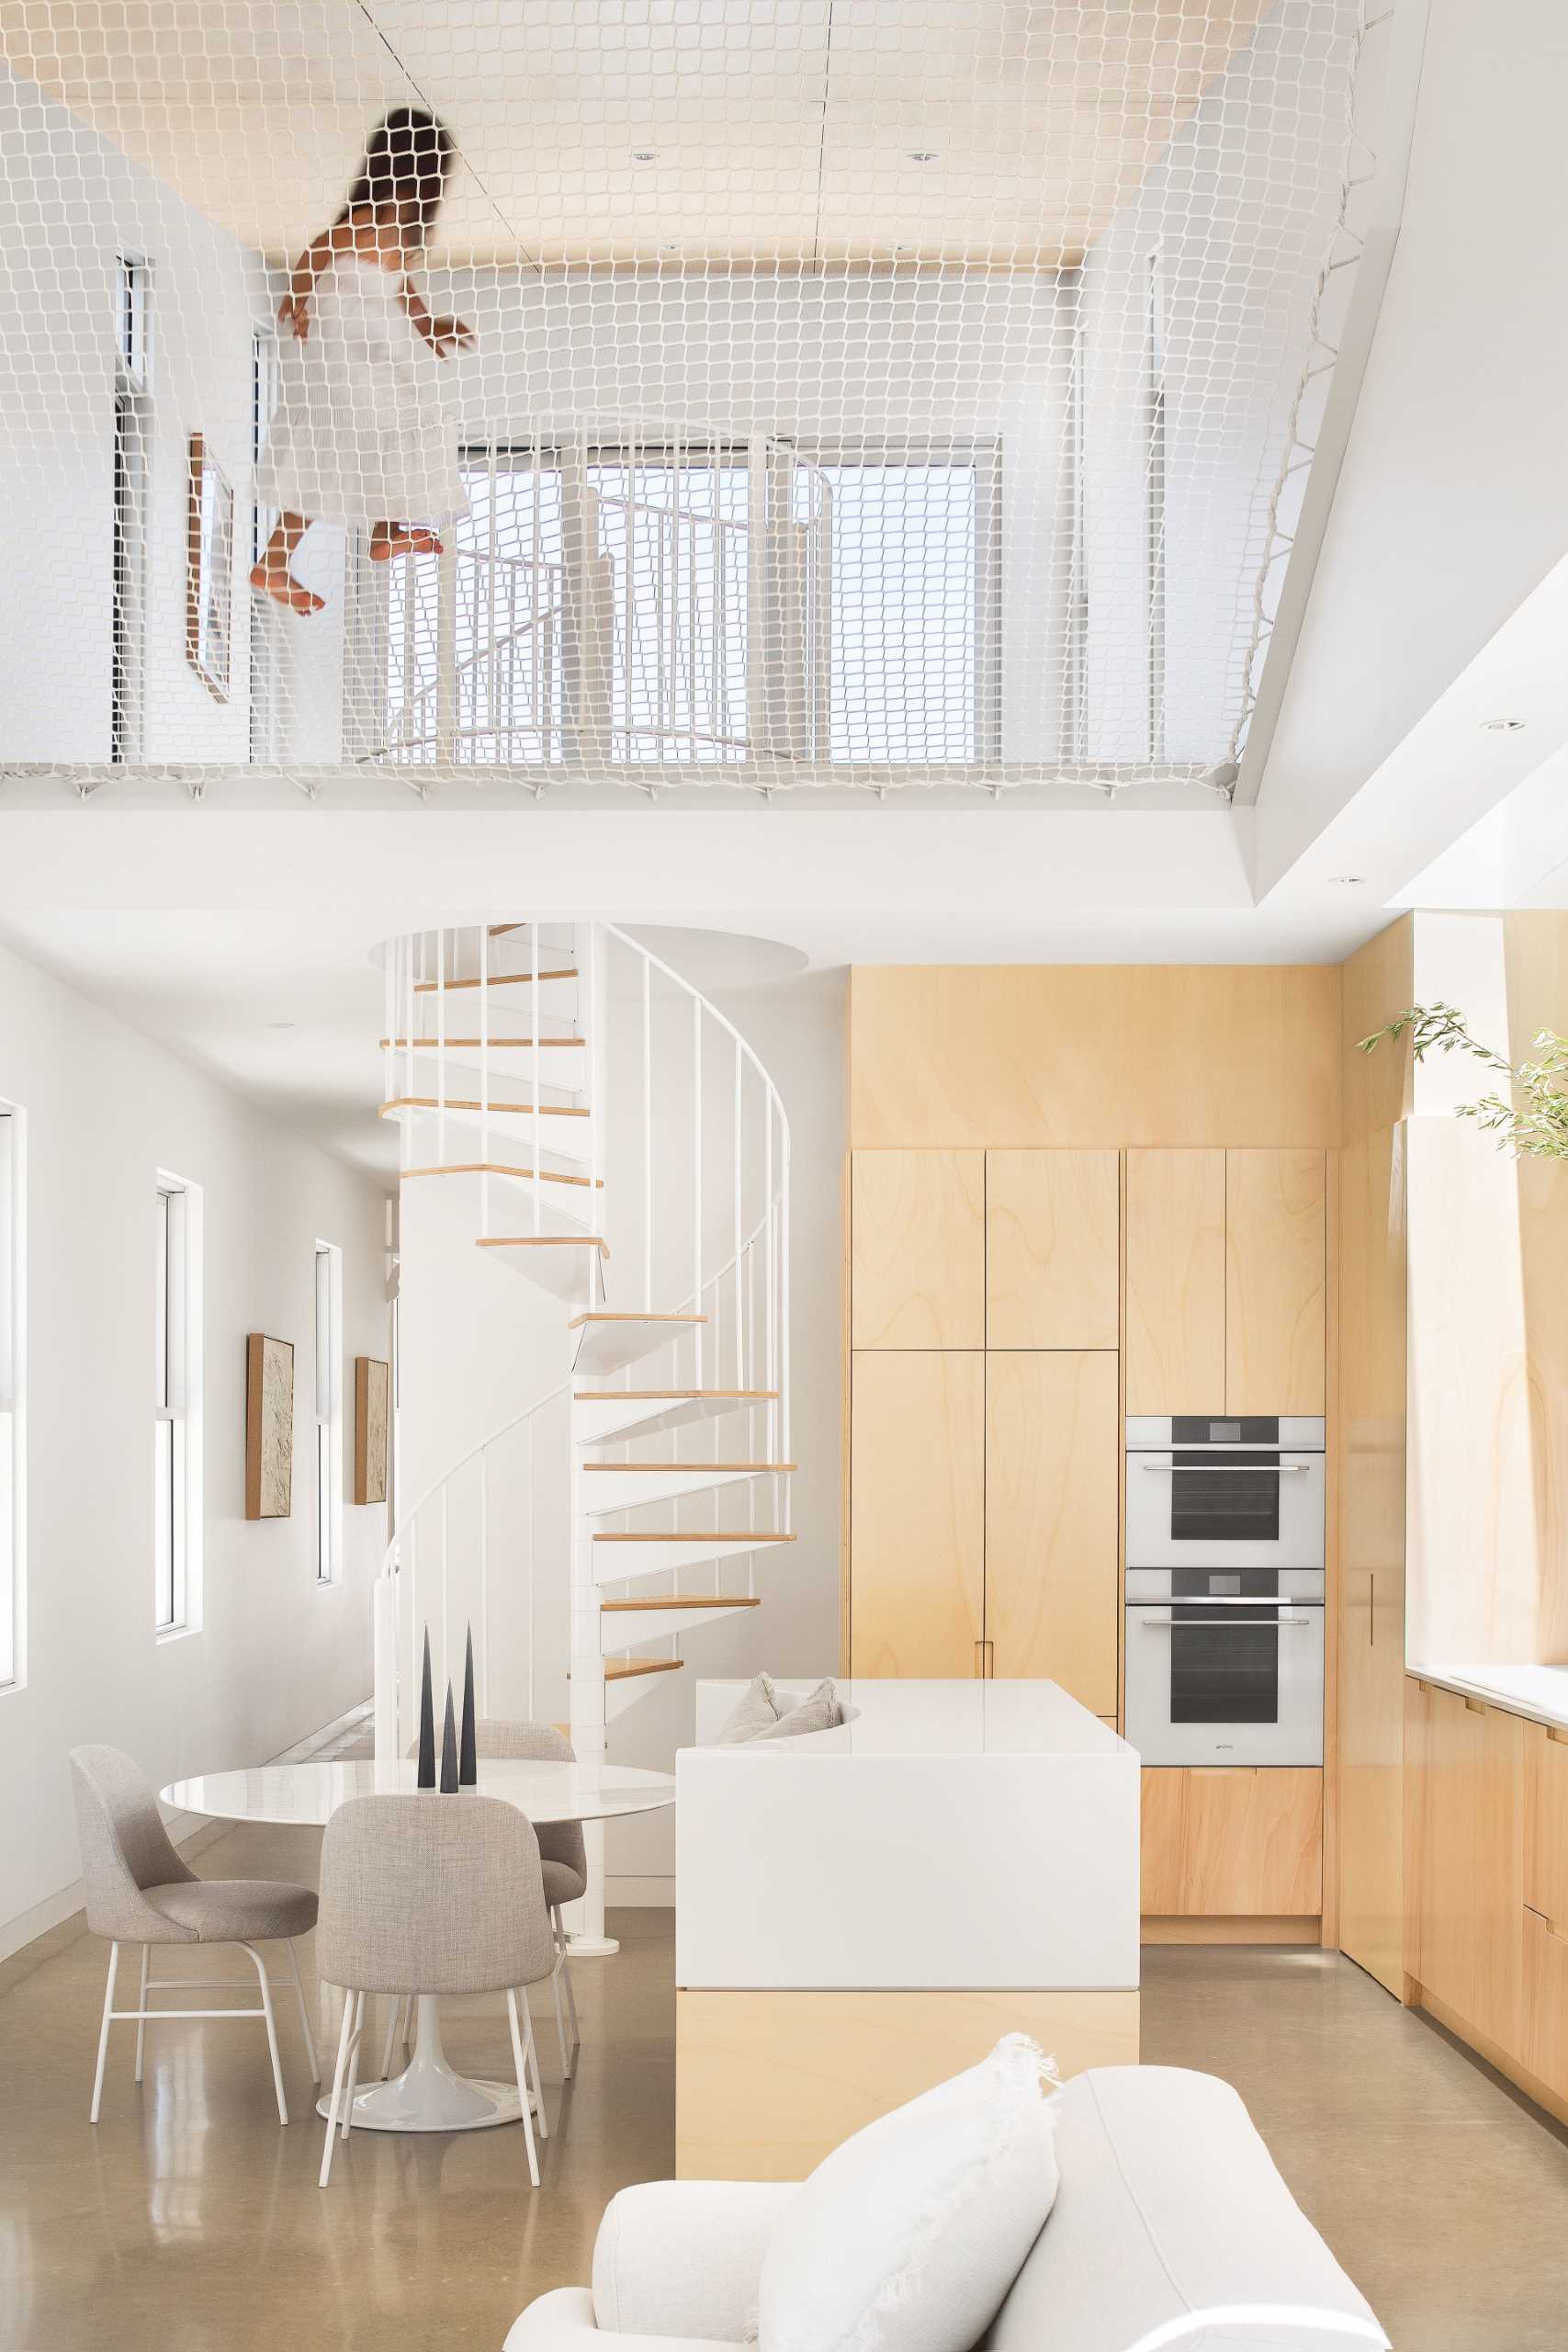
column 188, row 2222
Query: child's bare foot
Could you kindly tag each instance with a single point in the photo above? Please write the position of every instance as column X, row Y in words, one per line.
column 275, row 579
column 388, row 539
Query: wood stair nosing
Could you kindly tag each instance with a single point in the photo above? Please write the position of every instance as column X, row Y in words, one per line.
column 498, row 1168
column 497, row 1110
column 508, row 1045
column 603, row 1315
column 670, row 1395
column 542, row 1241
column 494, row 980
column 747, row 1535
column 622, row 1670
column 705, row 1600
column 730, row 1469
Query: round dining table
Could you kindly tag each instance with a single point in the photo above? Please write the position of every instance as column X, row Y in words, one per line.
column 429, row 2094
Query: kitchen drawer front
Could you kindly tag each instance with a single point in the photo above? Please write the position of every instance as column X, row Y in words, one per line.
column 1546, row 1824
column 1235, row 1841
column 1545, row 2003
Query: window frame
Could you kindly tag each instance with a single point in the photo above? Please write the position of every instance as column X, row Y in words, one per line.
column 176, row 1409
column 13, row 1397
column 328, row 1370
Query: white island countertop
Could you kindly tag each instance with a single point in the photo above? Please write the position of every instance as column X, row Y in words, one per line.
column 1538, row 1692
column 950, row 1835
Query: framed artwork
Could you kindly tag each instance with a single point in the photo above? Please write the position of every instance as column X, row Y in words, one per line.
column 370, row 1394
column 210, row 570
column 269, row 1427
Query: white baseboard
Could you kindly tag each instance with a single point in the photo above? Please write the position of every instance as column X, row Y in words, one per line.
column 190, row 1832
column 640, row 1893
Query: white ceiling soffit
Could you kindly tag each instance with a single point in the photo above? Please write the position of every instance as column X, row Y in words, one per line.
column 1440, row 601
column 609, row 134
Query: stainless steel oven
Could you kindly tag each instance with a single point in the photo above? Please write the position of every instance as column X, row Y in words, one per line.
column 1224, row 1666
column 1242, row 1491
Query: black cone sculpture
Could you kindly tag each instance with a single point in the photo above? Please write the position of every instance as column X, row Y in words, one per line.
column 425, row 1776
column 449, row 1749
column 467, row 1758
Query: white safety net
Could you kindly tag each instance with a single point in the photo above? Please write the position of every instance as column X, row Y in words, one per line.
column 802, row 392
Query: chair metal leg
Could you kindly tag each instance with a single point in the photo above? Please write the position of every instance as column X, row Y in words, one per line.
column 343, row 2041
column 304, row 2013
column 566, row 1978
column 141, row 2005
column 531, row 2047
column 356, row 2038
column 520, row 2064
column 271, row 2030
column 560, row 2021
column 103, row 2032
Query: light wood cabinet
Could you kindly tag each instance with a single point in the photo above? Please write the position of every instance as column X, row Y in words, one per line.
column 917, row 1512
column 918, row 1249
column 1053, row 1442
column 1544, row 2003
column 1464, row 1766
column 1176, row 1282
column 1052, row 1249
column 1231, row 1841
column 1546, row 1824
column 1276, row 1281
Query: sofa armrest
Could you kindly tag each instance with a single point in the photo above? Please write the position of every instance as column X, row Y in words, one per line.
column 564, row 2322
column 683, row 2258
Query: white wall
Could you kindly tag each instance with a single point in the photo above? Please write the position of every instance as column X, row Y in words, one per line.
column 278, row 1655
column 480, row 1341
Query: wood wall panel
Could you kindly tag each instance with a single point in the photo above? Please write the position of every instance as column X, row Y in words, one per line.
column 1231, row 1841
column 917, row 1512
column 1276, row 1281
column 917, row 1249
column 1378, row 983
column 1370, row 1618
column 1176, row 1282
column 767, row 2083
column 1053, row 1460
column 1053, row 1249
column 1024, row 1057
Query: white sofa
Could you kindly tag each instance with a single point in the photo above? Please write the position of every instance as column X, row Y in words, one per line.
column 1171, row 2228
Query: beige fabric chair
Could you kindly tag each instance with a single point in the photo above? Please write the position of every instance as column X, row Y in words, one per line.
column 563, row 1860
column 139, row 1891
column 431, row 1893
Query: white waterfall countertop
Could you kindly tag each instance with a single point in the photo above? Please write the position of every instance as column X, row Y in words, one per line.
column 1539, row 1694
column 948, row 1834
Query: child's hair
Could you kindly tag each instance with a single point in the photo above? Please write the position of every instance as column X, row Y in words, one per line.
column 407, row 158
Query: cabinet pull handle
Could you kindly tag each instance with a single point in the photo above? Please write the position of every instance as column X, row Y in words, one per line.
column 1555, row 1731
column 1474, row 1707
column 1372, row 1610
column 985, row 1661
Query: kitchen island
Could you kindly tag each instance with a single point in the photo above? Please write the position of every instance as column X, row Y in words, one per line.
column 864, row 1911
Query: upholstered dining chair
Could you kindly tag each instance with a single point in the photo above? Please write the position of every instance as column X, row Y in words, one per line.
column 431, row 1893
column 139, row 1891
column 563, row 1860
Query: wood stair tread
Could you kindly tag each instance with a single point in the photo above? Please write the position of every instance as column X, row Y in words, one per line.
column 493, row 980
column 665, row 1396
column 687, row 1468
column 446, row 1044
column 602, row 1314
column 496, row 1168
column 499, row 1110
column 620, row 1670
column 542, row 1241
column 707, row 1600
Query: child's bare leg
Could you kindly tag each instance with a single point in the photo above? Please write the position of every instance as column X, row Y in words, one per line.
column 272, row 575
column 388, row 539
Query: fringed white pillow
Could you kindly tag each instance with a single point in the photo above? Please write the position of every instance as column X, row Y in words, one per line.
column 757, row 1710
column 909, row 2236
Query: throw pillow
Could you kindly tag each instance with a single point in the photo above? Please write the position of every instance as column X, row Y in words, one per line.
column 756, row 1711
column 820, row 1712
column 909, row 2237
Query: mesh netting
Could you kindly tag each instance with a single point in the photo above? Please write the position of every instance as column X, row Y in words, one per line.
column 801, row 393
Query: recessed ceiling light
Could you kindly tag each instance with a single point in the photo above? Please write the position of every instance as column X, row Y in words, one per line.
column 1346, row 879
column 924, row 156
column 280, row 1024
column 645, row 154
column 1502, row 726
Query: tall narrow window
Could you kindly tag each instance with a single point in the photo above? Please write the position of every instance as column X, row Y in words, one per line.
column 329, row 1413
column 13, row 1263
column 132, row 443
column 176, row 1425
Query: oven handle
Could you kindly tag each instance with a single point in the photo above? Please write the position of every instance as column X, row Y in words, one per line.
column 1219, row 1469
column 1219, row 1624
column 1225, row 1600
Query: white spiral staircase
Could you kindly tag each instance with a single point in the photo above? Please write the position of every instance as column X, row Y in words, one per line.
column 611, row 1137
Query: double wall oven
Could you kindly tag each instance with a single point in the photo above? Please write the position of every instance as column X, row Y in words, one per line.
column 1224, row 1590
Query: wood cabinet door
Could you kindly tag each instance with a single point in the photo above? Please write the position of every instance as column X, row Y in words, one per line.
column 1276, row 1281
column 1232, row 1842
column 917, row 1512
column 1546, row 1825
column 1467, row 1870
column 1052, row 1249
column 918, row 1249
column 1176, row 1282
column 1053, row 1456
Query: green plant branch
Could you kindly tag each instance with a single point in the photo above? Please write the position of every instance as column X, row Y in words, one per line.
column 1532, row 1122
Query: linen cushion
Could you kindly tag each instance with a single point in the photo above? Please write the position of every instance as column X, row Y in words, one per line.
column 820, row 1712
column 909, row 2236
column 756, row 1711
column 236, row 1910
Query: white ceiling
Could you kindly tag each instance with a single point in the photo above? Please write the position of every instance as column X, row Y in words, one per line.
column 777, row 133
